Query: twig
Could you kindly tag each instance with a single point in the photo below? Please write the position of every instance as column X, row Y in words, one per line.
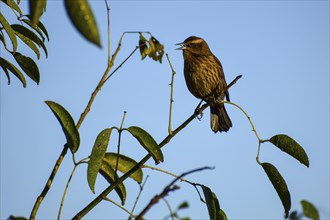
column 169, row 208
column 120, row 65
column 166, row 140
column 108, row 13
column 48, row 184
column 171, row 96
column 252, row 125
column 64, row 193
column 116, row 204
column 138, row 196
column 169, row 188
column 119, row 140
column 182, row 179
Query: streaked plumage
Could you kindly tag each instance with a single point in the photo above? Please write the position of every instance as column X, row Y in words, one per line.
column 205, row 79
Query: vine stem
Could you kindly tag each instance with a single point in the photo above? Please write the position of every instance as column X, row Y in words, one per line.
column 138, row 196
column 121, row 207
column 171, row 96
column 65, row 190
column 260, row 141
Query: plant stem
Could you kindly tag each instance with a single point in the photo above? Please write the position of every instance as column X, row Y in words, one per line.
column 138, row 196
column 121, row 207
column 49, row 183
column 65, row 190
column 171, row 96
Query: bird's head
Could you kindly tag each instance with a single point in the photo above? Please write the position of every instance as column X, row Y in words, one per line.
column 195, row 45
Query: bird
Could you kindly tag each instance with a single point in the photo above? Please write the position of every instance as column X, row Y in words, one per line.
column 205, row 80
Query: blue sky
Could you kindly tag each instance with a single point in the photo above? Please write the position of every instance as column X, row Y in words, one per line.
column 280, row 47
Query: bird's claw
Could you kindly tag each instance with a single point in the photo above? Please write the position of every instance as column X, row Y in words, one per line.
column 198, row 113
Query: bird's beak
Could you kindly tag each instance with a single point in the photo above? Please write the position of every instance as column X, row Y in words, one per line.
column 182, row 46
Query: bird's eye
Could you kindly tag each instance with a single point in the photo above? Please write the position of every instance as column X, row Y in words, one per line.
column 191, row 45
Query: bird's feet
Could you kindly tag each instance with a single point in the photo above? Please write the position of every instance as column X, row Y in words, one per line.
column 198, row 112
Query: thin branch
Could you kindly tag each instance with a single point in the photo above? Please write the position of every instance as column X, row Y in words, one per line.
column 166, row 140
column 169, row 208
column 108, row 19
column 119, row 140
column 64, row 193
column 165, row 171
column 122, row 63
column 138, row 196
column 176, row 176
column 260, row 141
column 169, row 188
column 48, row 183
column 121, row 207
column 171, row 96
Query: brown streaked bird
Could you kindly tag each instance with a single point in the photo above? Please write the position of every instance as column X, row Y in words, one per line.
column 205, row 79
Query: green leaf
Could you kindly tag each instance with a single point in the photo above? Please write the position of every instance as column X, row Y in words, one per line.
column 16, row 218
column 37, row 8
column 124, row 165
column 28, row 65
column 183, row 205
column 82, row 18
column 41, row 26
column 30, row 35
column 67, row 124
column 147, row 141
column 10, row 31
column 36, row 28
column 29, row 43
column 3, row 40
column 109, row 174
column 213, row 205
column 98, row 151
column 13, row 5
column 310, row 210
column 280, row 186
column 12, row 68
column 290, row 146
column 7, row 74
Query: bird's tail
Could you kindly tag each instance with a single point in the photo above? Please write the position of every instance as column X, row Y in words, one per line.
column 220, row 120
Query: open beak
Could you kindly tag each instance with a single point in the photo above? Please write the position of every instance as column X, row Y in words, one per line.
column 182, row 46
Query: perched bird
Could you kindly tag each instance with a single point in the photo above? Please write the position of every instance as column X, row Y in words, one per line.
column 205, row 79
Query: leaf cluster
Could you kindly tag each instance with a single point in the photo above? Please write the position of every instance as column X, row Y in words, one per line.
column 31, row 32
